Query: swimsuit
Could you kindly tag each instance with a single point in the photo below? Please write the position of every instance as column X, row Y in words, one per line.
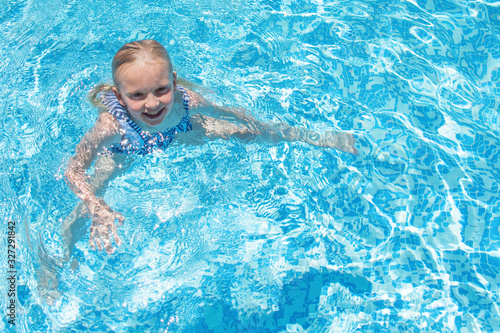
column 137, row 141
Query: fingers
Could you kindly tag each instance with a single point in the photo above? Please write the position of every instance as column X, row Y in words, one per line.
column 351, row 141
column 96, row 238
column 98, row 235
column 107, row 241
column 92, row 238
column 346, row 143
column 102, row 229
column 120, row 218
column 355, row 151
column 118, row 241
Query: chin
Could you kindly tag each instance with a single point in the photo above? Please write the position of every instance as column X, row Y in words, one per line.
column 155, row 121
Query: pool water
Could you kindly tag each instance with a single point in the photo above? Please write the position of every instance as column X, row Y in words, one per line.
column 258, row 237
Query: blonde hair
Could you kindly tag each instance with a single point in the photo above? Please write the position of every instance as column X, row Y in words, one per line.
column 128, row 53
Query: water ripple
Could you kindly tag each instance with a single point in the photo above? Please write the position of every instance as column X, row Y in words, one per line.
column 271, row 237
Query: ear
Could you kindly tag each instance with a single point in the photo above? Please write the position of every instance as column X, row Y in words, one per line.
column 119, row 96
column 174, row 76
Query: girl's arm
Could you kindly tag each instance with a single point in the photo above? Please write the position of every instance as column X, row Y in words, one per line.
column 106, row 167
column 105, row 131
column 219, row 122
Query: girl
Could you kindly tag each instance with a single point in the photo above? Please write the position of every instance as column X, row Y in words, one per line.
column 143, row 112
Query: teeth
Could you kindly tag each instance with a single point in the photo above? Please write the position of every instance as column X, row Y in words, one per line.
column 153, row 114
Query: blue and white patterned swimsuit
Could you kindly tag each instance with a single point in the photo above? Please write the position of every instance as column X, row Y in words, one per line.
column 137, row 141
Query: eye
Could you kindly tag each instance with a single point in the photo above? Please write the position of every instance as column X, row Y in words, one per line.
column 137, row 96
column 163, row 90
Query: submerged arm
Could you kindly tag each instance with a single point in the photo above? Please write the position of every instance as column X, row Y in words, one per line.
column 342, row 141
column 224, row 122
column 106, row 130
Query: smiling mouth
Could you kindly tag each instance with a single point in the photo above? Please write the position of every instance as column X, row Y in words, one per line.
column 154, row 116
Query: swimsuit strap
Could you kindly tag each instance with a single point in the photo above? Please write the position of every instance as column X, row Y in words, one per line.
column 184, row 125
column 133, row 138
column 185, row 99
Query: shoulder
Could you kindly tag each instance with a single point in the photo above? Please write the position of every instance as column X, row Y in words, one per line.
column 107, row 123
column 105, row 131
column 196, row 100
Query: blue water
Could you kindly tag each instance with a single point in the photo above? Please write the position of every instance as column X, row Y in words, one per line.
column 234, row 237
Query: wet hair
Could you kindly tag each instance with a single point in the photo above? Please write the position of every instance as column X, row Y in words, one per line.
column 139, row 50
column 147, row 49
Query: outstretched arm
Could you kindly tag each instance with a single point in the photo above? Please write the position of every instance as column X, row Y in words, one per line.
column 105, row 131
column 224, row 122
column 342, row 141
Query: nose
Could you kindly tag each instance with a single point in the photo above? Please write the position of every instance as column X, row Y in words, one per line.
column 151, row 101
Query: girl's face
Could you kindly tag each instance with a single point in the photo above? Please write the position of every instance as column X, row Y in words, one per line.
column 147, row 90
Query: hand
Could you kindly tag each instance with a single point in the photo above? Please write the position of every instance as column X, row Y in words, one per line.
column 103, row 226
column 340, row 141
